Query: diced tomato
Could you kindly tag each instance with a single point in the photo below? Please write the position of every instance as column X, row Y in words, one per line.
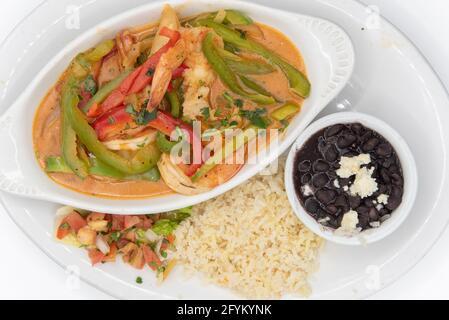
column 121, row 243
column 95, row 216
column 63, row 230
column 113, row 121
column 95, row 256
column 118, row 223
column 131, row 221
column 130, row 236
column 75, row 221
column 110, row 257
column 151, row 258
column 145, row 223
column 171, row 238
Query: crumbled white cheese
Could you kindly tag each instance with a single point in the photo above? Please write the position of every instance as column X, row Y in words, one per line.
column 375, row 224
column 336, row 183
column 379, row 207
column 349, row 224
column 383, row 198
column 306, row 190
column 364, row 184
column 345, row 188
column 349, row 166
column 324, row 220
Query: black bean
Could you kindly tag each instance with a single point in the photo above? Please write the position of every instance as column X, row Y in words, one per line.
column 304, row 166
column 357, row 128
column 384, row 150
column 354, row 201
column 320, row 166
column 370, row 144
column 350, row 153
column 333, row 130
column 362, row 210
column 346, row 140
column 326, row 196
column 373, row 214
column 311, row 205
column 385, row 175
column 319, row 180
column 363, row 220
column 331, row 153
column 341, row 201
column 395, row 198
column 388, row 162
column 333, row 210
column 383, row 212
column 368, row 203
column 306, row 178
column 396, row 179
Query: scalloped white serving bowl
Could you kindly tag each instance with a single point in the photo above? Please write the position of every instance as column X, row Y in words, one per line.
column 327, row 51
column 409, row 171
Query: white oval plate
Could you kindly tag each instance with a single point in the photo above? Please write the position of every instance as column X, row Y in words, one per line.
column 415, row 103
column 327, row 52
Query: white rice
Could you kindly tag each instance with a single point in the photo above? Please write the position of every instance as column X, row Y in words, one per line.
column 250, row 241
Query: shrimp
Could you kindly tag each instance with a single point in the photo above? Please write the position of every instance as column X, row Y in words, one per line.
column 179, row 182
column 169, row 61
column 199, row 76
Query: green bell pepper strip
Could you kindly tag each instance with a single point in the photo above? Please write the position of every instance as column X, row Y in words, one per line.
column 226, row 75
column 297, row 80
column 105, row 90
column 254, row 86
column 57, row 164
column 173, row 98
column 228, row 149
column 101, row 50
column 163, row 143
column 236, row 17
column 245, row 66
column 145, row 159
column 69, row 145
column 285, row 111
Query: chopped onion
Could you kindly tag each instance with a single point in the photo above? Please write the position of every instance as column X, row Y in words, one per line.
column 151, row 235
column 221, row 15
column 102, row 245
column 64, row 211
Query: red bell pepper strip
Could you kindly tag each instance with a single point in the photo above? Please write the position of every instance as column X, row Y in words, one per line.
column 117, row 96
column 145, row 76
column 112, row 121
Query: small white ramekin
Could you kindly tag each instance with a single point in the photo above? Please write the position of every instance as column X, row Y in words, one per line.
column 408, row 168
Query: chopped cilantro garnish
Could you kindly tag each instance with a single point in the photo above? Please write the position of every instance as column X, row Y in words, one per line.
column 233, row 123
column 238, row 103
column 163, row 254
column 141, row 59
column 64, row 226
column 139, row 280
column 255, row 117
column 150, row 72
column 90, row 85
column 115, row 236
column 205, row 112
column 143, row 116
column 111, row 120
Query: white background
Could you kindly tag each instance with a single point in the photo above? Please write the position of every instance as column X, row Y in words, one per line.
column 27, row 273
